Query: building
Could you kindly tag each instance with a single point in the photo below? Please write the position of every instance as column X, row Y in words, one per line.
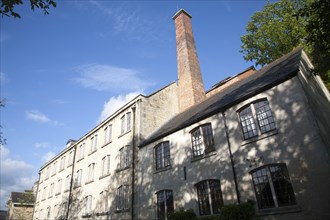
column 259, row 135
column 20, row 205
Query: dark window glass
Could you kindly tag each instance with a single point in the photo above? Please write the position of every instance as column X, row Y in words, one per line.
column 273, row 186
column 164, row 204
column 209, row 197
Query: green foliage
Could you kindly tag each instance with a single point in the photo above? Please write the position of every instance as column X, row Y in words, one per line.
column 7, row 6
column 243, row 211
column 287, row 24
column 182, row 214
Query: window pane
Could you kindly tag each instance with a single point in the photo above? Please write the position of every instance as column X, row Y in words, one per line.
column 161, row 205
column 216, row 196
column 262, row 189
column 197, row 143
column 208, row 137
column 203, row 199
column 282, row 185
column 264, row 116
column 247, row 123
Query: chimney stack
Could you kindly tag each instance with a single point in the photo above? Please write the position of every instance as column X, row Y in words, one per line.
column 191, row 87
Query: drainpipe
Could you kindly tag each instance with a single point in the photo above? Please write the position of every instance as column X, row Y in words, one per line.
column 71, row 183
column 231, row 158
column 133, row 165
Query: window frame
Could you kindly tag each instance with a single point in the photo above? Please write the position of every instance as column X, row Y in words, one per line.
column 275, row 194
column 252, row 125
column 162, row 155
column 124, row 158
column 122, row 198
column 202, row 140
column 105, row 165
column 209, row 197
column 90, row 173
column 162, row 213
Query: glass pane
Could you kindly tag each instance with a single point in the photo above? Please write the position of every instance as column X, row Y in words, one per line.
column 247, row 123
column 282, row 185
column 197, row 143
column 203, row 199
column 264, row 116
column 262, row 189
column 216, row 196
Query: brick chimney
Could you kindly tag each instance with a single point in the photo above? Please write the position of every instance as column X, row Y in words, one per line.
column 191, row 87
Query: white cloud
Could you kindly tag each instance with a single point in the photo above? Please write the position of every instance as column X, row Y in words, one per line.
column 47, row 157
column 114, row 104
column 42, row 145
column 37, row 116
column 16, row 175
column 110, row 78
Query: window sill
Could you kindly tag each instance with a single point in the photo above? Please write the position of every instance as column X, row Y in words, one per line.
column 121, row 210
column 57, row 194
column 77, row 186
column 88, row 182
column 69, row 165
column 53, row 174
column 163, row 169
column 92, row 152
column 122, row 169
column 124, row 133
column 259, row 137
column 201, row 157
column 105, row 144
column 105, row 175
column 80, row 159
column 102, row 213
column 280, row 210
column 86, row 215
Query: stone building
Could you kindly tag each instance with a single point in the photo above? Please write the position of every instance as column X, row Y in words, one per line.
column 259, row 135
column 20, row 205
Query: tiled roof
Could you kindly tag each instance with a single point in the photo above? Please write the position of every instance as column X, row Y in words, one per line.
column 269, row 76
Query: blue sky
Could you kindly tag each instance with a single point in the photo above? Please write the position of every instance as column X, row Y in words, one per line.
column 64, row 72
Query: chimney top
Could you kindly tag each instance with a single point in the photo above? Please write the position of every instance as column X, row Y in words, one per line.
column 181, row 11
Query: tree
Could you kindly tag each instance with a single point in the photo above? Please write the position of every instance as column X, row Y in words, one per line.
column 285, row 25
column 7, row 6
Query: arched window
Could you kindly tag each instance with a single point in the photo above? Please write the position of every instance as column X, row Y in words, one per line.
column 202, row 140
column 272, row 186
column 164, row 204
column 209, row 197
column 162, row 155
column 260, row 112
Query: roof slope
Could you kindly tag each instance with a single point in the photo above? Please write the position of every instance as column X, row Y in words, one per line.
column 269, row 76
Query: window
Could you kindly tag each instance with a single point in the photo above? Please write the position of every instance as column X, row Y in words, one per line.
column 164, row 204
column 44, row 193
column 108, row 134
column 47, row 173
column 272, row 186
column 162, row 155
column 59, row 186
column 54, row 168
column 51, row 190
column 126, row 123
column 88, row 207
column 105, row 166
column 209, row 197
column 62, row 164
column 258, row 111
column 70, row 159
column 47, row 212
column 55, row 211
column 122, row 122
column 93, row 144
column 124, row 157
column 122, row 198
column 78, row 178
column 81, row 151
column 202, row 140
column 68, row 182
column 104, row 201
column 90, row 174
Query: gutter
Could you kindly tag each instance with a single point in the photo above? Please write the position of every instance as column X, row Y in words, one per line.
column 133, row 164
